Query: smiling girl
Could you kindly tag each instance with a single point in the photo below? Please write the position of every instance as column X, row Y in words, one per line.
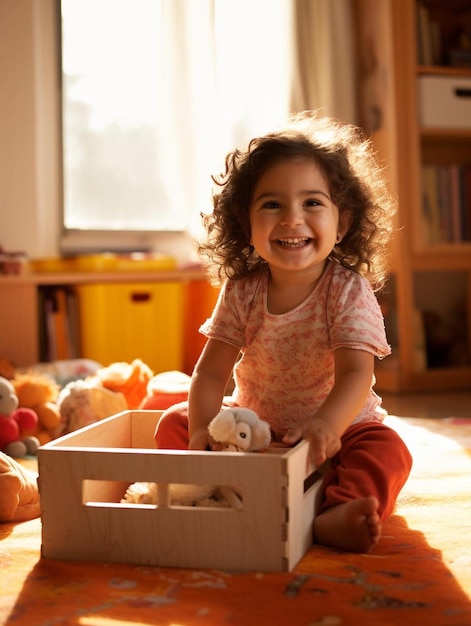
column 298, row 237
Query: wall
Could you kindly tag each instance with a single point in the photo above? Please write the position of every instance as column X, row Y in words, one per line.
column 29, row 196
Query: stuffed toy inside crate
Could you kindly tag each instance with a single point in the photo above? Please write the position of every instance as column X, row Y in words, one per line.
column 83, row 477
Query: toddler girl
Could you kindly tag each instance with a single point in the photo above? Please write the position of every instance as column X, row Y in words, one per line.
column 299, row 236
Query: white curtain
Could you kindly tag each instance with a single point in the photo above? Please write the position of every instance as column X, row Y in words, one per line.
column 226, row 77
column 324, row 69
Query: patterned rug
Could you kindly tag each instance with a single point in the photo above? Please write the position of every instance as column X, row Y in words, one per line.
column 419, row 574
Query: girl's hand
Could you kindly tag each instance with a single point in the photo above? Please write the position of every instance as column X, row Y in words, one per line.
column 323, row 441
column 200, row 440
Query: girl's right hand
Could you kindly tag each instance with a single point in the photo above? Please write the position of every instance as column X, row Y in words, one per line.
column 323, row 441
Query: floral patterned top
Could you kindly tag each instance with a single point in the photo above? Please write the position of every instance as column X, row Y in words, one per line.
column 286, row 369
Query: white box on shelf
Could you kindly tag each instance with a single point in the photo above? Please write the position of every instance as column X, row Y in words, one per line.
column 445, row 101
column 84, row 475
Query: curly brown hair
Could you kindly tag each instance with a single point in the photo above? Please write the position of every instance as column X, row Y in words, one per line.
column 357, row 185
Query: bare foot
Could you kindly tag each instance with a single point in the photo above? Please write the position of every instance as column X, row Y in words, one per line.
column 353, row 526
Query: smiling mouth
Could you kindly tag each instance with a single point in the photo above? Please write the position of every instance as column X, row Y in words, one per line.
column 293, row 242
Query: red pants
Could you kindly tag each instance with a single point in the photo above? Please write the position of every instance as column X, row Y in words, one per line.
column 373, row 460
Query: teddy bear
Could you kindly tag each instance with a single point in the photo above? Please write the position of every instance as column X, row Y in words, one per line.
column 235, row 429
column 39, row 393
column 16, row 424
column 83, row 402
column 118, row 387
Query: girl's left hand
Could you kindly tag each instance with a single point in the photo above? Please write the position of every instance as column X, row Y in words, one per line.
column 323, row 441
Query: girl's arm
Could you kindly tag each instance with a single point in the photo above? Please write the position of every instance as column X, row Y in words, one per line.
column 354, row 371
column 207, row 388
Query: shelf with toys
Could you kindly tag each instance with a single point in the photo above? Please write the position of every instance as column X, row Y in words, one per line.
column 415, row 102
column 108, row 314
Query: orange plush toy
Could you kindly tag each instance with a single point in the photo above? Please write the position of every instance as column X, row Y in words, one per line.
column 39, row 392
column 128, row 378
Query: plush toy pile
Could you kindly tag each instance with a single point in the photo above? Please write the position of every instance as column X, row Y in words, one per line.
column 118, row 387
column 34, row 410
column 82, row 401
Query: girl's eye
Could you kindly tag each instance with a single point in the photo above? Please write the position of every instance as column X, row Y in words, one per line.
column 271, row 204
column 312, row 202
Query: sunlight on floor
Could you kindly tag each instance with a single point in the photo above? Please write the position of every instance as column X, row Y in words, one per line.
column 430, row 416
column 419, row 431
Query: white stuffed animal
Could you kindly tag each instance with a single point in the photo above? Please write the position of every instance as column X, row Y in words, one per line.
column 181, row 495
column 239, row 429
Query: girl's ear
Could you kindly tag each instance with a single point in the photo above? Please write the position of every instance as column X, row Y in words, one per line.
column 345, row 221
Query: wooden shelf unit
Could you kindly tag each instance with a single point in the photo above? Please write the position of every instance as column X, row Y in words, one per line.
column 389, row 105
column 20, row 297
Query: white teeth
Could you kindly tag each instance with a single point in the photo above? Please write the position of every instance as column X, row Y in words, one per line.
column 293, row 241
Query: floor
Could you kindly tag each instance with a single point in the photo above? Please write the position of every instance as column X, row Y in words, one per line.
column 433, row 404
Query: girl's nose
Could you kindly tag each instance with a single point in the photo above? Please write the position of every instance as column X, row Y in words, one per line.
column 292, row 216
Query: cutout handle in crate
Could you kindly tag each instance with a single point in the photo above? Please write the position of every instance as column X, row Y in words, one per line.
column 83, row 477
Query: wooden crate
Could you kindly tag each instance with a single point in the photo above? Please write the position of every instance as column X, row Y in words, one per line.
column 84, row 475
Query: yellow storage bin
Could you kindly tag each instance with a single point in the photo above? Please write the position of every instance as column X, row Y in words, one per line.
column 126, row 321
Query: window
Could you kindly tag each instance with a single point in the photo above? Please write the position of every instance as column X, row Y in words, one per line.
column 154, row 94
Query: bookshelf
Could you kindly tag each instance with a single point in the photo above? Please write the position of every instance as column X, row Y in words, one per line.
column 24, row 328
column 413, row 59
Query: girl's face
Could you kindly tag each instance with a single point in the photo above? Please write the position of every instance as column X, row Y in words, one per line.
column 294, row 223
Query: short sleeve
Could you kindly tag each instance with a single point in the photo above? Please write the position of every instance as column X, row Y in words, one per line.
column 226, row 323
column 356, row 320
